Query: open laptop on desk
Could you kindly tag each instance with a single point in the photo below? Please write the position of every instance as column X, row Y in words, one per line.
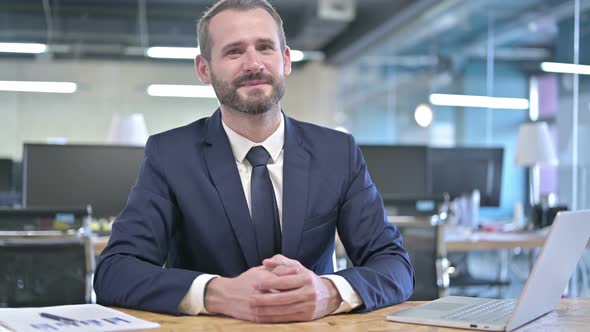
column 542, row 292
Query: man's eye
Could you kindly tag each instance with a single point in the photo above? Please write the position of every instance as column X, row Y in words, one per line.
column 233, row 51
column 266, row 48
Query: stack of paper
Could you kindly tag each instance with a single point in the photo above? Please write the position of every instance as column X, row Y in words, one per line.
column 70, row 318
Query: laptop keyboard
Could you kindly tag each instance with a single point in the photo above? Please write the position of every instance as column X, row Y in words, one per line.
column 492, row 311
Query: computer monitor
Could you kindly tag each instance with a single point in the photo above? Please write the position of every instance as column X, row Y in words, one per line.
column 400, row 172
column 17, row 177
column 6, row 175
column 59, row 176
column 461, row 170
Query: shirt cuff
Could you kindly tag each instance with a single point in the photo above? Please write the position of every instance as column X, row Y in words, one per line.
column 350, row 299
column 193, row 303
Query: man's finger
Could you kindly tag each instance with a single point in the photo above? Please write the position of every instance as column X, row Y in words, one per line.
column 277, row 260
column 285, row 282
column 281, row 298
column 283, row 270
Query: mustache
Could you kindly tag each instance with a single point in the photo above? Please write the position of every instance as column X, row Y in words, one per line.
column 259, row 76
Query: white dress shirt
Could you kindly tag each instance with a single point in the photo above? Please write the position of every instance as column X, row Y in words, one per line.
column 193, row 302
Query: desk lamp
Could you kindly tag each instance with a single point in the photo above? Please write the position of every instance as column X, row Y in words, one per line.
column 534, row 149
column 129, row 130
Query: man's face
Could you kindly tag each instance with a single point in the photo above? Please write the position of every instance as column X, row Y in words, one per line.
column 247, row 67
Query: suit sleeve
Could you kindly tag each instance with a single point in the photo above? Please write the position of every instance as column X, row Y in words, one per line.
column 130, row 271
column 382, row 274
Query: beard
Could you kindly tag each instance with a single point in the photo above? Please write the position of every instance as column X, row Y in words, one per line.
column 256, row 101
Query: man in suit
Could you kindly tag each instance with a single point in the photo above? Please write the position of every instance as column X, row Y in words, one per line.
column 236, row 214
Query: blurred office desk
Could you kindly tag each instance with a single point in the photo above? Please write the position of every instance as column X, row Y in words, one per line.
column 458, row 239
column 454, row 243
column 504, row 242
column 474, row 241
column 99, row 244
column 495, row 241
column 570, row 315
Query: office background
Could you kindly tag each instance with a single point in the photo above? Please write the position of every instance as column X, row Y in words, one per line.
column 371, row 63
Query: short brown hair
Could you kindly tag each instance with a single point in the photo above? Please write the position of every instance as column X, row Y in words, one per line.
column 241, row 5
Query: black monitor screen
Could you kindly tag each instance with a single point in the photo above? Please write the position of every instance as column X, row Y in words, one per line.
column 399, row 171
column 6, row 175
column 17, row 178
column 59, row 176
column 459, row 171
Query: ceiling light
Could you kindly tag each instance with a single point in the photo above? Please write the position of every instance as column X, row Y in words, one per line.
column 173, row 52
column 478, row 101
column 297, row 56
column 173, row 90
column 31, row 86
column 32, row 48
column 565, row 68
column 423, row 115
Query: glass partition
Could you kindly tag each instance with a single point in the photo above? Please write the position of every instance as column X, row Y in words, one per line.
column 424, row 83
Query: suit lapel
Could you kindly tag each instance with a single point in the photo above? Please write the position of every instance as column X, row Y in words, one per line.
column 295, row 188
column 224, row 173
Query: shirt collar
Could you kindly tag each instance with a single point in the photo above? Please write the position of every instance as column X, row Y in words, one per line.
column 240, row 145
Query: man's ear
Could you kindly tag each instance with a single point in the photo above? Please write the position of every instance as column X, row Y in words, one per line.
column 202, row 69
column 287, row 60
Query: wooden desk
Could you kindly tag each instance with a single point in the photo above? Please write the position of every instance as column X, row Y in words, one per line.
column 571, row 315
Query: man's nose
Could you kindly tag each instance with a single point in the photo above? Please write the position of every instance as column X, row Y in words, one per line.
column 252, row 61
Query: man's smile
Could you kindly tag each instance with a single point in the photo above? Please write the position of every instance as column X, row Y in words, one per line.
column 254, row 83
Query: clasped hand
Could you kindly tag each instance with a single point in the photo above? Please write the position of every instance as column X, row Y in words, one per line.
column 280, row 290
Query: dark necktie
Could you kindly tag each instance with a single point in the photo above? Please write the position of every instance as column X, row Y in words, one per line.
column 265, row 215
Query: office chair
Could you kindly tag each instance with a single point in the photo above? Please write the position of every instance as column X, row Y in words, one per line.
column 45, row 267
column 426, row 247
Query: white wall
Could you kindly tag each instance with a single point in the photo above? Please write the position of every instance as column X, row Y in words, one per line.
column 108, row 87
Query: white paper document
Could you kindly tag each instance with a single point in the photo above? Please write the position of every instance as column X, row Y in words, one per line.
column 70, row 318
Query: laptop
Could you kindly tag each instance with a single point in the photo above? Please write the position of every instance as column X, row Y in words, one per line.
column 561, row 252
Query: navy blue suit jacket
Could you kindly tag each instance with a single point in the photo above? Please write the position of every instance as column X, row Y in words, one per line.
column 187, row 215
